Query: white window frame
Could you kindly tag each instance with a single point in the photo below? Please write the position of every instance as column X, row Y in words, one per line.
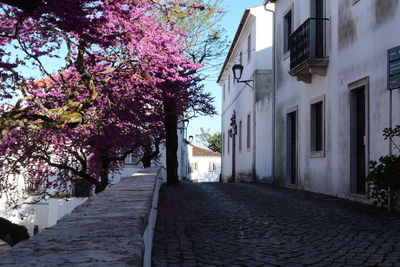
column 286, row 53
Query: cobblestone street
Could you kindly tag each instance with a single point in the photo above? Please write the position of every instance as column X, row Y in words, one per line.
column 215, row 224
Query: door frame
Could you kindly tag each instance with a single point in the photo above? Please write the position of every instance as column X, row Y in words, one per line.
column 233, row 157
column 313, row 9
column 363, row 82
column 293, row 109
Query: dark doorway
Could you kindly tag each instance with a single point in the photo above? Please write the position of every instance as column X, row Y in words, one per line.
column 291, row 147
column 358, row 143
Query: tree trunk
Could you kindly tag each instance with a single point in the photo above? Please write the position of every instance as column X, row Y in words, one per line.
column 146, row 160
column 104, row 172
column 27, row 5
column 98, row 189
column 171, row 142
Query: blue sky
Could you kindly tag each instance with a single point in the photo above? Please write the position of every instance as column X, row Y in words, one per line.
column 234, row 12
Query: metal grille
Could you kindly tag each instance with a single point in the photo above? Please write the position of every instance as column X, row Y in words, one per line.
column 308, row 41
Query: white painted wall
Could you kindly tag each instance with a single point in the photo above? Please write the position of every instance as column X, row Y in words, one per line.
column 359, row 36
column 149, row 232
column 251, row 162
column 43, row 214
column 203, row 173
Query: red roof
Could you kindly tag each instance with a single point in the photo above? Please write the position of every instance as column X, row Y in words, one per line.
column 201, row 152
column 47, row 82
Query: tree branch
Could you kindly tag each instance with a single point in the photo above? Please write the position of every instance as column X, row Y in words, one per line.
column 26, row 5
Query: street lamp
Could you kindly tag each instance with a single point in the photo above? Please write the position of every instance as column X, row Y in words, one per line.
column 237, row 71
column 185, row 123
column 237, row 74
column 185, row 126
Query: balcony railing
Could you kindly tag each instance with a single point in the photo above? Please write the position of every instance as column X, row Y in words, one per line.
column 308, row 46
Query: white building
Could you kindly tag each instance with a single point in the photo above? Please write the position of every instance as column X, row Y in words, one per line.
column 204, row 165
column 332, row 97
column 247, row 143
column 33, row 212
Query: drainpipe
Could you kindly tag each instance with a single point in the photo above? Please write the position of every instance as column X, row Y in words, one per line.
column 273, row 88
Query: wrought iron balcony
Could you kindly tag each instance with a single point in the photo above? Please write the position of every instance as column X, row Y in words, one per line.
column 308, row 50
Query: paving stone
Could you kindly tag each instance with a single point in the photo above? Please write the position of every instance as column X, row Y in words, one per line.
column 261, row 225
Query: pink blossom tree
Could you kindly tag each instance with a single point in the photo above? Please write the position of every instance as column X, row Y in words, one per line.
column 204, row 45
column 120, row 63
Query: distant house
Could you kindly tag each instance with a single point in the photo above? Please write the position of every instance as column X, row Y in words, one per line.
column 204, row 165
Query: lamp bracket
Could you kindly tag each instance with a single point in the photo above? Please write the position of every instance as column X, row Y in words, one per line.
column 247, row 83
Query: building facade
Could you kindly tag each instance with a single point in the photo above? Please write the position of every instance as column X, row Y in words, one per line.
column 247, row 107
column 332, row 97
column 203, row 165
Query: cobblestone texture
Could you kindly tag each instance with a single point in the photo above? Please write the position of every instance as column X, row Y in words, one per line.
column 214, row 224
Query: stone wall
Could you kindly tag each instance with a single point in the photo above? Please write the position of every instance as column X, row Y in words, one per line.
column 107, row 230
column 4, row 247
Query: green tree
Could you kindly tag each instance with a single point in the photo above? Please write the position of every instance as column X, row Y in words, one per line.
column 384, row 175
column 211, row 141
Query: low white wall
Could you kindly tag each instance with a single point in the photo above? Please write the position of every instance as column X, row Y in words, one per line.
column 112, row 228
column 149, row 233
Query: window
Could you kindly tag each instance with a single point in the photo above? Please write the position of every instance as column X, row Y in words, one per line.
column 233, row 79
column 241, row 58
column 317, row 128
column 240, row 136
column 287, row 30
column 34, row 187
column 211, row 167
column 229, row 83
column 228, row 141
column 249, row 48
column 248, row 131
column 193, row 166
column 129, row 160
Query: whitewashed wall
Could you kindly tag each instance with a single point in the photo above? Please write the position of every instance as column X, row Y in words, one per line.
column 253, row 162
column 359, row 36
column 202, row 171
